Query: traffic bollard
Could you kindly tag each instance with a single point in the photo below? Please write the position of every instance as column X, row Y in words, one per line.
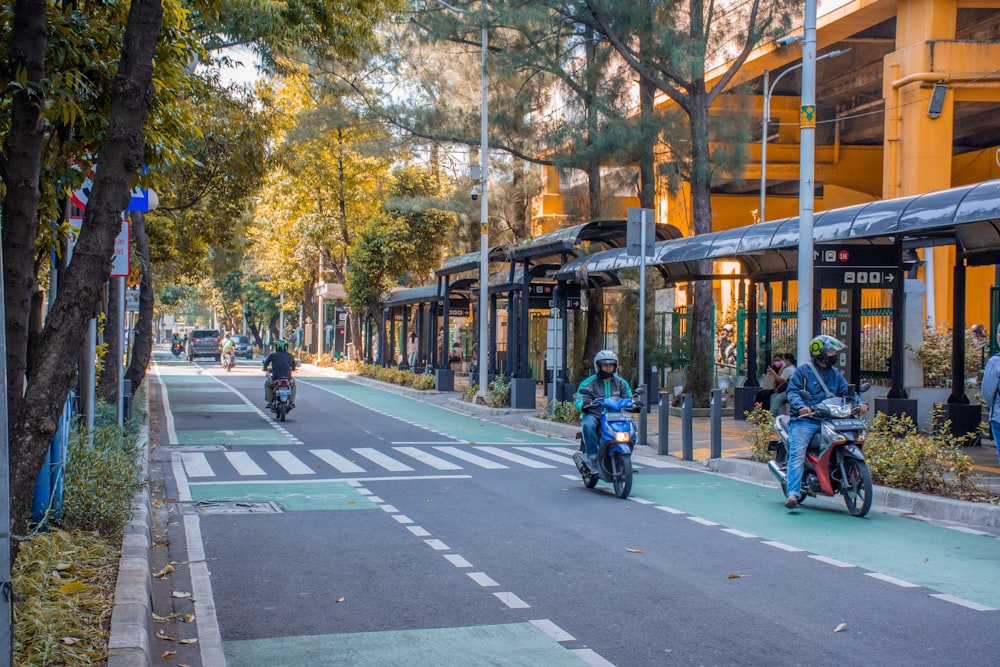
column 643, row 424
column 687, row 427
column 715, row 416
column 664, row 442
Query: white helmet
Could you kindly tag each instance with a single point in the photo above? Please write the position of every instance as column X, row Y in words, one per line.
column 605, row 357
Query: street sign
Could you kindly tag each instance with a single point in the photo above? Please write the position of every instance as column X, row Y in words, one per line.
column 132, row 300
column 637, row 218
column 119, row 263
column 862, row 266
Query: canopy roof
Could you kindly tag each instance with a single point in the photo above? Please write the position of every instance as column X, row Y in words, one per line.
column 469, row 262
column 610, row 233
column 968, row 216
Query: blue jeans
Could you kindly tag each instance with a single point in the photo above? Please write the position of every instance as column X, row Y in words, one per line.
column 800, row 432
column 590, row 423
column 995, row 431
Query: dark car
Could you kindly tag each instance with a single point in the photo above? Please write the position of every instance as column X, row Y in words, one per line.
column 204, row 343
column 244, row 348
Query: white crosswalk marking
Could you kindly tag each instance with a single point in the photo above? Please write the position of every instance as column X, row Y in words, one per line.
column 244, row 464
column 472, row 458
column 289, row 462
column 336, row 460
column 516, row 458
column 545, row 454
column 429, row 459
column 381, row 459
column 653, row 463
column 196, row 465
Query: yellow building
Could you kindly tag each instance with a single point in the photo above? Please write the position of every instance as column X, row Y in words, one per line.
column 909, row 106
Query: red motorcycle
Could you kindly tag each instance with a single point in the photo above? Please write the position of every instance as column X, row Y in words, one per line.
column 834, row 461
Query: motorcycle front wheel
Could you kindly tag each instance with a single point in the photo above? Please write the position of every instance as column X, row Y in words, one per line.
column 857, row 487
column 621, row 474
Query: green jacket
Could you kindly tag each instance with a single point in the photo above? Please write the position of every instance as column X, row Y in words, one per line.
column 593, row 388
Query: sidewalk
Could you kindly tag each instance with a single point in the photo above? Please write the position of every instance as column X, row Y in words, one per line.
column 736, row 453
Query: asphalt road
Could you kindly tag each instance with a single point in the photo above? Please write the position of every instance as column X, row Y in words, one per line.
column 386, row 531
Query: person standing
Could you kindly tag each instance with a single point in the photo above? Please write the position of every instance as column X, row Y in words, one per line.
column 991, row 396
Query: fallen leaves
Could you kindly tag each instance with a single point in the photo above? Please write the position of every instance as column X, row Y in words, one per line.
column 73, row 587
column 737, row 576
column 634, row 551
column 840, row 628
column 162, row 574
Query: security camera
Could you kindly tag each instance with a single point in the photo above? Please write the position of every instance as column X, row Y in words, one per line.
column 788, row 40
column 475, row 192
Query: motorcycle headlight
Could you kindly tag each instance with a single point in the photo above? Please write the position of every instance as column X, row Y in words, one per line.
column 621, row 436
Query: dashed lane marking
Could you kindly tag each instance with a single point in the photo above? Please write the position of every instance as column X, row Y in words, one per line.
column 975, row 606
column 892, row 580
column 830, row 561
column 482, row 579
column 552, row 630
column 457, row 560
column 512, row 601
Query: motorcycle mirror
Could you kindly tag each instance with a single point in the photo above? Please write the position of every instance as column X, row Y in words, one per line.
column 865, row 386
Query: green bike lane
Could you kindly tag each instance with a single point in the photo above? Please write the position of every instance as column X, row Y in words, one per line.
column 944, row 560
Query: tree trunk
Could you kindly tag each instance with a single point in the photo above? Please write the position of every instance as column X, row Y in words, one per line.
column 107, row 383
column 142, row 341
column 121, row 155
column 20, row 170
column 699, row 379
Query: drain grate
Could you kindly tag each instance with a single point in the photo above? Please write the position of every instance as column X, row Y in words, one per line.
column 231, row 507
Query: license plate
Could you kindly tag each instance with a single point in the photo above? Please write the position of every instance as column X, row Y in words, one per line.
column 284, row 392
column 849, row 424
column 617, row 417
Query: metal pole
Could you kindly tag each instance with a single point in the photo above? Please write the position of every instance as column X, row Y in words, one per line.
column 484, row 236
column 121, row 351
column 6, row 595
column 90, row 378
column 765, row 118
column 715, row 417
column 281, row 317
column 687, row 427
column 642, row 324
column 807, row 169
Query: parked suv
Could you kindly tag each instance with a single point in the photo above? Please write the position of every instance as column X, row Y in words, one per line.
column 204, row 343
column 243, row 346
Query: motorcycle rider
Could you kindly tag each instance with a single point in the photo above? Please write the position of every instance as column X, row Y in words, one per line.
column 823, row 352
column 604, row 383
column 282, row 363
column 228, row 345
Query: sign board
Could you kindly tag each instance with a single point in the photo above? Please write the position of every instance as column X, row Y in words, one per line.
column 637, row 218
column 553, row 344
column 540, row 296
column 864, row 266
column 119, row 263
column 132, row 300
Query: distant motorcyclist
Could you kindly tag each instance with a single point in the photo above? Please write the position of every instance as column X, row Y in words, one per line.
column 281, row 364
column 228, row 345
column 604, row 383
column 821, row 379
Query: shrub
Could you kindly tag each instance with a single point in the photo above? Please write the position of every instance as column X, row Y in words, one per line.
column 420, row 381
column 761, row 433
column 469, row 395
column 353, row 366
column 900, row 456
column 564, row 412
column 101, row 479
column 498, row 393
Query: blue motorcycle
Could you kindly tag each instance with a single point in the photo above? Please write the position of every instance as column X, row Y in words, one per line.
column 616, row 439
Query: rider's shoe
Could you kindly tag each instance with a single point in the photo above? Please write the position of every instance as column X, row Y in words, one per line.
column 593, row 464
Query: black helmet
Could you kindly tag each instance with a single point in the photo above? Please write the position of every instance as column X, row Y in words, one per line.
column 824, row 350
column 280, row 345
column 605, row 357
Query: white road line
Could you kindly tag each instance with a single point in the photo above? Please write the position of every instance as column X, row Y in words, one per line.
column 366, row 492
column 891, row 580
column 512, row 601
column 739, row 533
column 427, row 458
column 653, row 463
column 830, row 561
column 783, row 547
column 402, row 518
column 169, row 416
column 587, row 656
column 381, row 459
column 388, row 509
column 196, row 465
column 543, row 452
column 183, row 489
column 516, row 458
column 375, row 499
column 209, row 637
column 572, row 477
column 418, row 531
column 553, row 630
column 336, row 460
column 704, row 522
column 437, row 545
column 457, row 560
column 244, row 464
column 430, row 442
column 641, row 501
column 975, row 606
column 353, row 481
column 289, row 462
column 472, row 458
column 482, row 579
column 671, row 510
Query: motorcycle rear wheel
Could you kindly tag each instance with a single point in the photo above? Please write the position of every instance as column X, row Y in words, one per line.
column 281, row 411
column 857, row 488
column 621, row 475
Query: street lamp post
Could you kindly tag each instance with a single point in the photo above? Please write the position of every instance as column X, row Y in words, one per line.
column 484, row 236
column 766, row 119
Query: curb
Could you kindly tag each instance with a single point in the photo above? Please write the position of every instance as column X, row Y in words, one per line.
column 893, row 500
column 132, row 614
